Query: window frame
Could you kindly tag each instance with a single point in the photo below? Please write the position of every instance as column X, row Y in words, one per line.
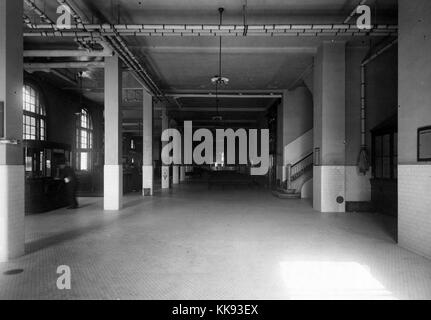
column 84, row 125
column 38, row 115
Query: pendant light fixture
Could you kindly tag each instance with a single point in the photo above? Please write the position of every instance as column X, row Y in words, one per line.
column 219, row 80
column 81, row 93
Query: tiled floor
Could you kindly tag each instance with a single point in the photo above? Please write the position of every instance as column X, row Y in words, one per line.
column 191, row 243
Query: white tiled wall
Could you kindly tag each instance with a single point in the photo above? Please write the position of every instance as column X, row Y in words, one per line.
column 329, row 183
column 113, row 187
column 12, row 211
column 414, row 208
column 147, row 178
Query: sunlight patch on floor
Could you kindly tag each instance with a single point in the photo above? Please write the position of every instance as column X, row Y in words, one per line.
column 323, row 280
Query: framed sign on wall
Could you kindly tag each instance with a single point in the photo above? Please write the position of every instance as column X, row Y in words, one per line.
column 424, row 144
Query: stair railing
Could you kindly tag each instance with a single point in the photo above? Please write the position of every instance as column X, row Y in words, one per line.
column 296, row 170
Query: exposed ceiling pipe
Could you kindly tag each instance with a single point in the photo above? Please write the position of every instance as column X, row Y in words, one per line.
column 120, row 47
column 51, row 25
column 224, row 109
column 131, row 65
column 363, row 158
column 237, row 96
column 213, row 30
column 134, row 62
column 79, row 37
column 352, row 14
column 32, row 5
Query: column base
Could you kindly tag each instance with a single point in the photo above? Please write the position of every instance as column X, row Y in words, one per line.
column 329, row 191
column 12, row 212
column 147, row 180
column 113, row 187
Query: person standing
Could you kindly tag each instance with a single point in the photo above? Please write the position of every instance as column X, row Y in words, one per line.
column 71, row 183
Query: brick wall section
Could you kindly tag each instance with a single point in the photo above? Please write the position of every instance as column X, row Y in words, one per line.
column 414, row 201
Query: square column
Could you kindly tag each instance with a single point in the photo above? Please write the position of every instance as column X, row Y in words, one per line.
column 147, row 166
column 12, row 191
column 113, row 171
column 329, row 128
column 165, row 169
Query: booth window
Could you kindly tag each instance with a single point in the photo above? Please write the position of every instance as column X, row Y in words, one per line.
column 34, row 115
column 84, row 140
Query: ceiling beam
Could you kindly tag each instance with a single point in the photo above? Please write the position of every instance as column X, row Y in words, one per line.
column 63, row 65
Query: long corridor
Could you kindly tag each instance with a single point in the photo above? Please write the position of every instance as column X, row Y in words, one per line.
column 194, row 243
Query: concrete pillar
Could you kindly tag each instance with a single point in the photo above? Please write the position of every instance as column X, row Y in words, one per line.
column 414, row 96
column 11, row 158
column 329, row 128
column 165, row 169
column 113, row 171
column 147, row 167
column 182, row 173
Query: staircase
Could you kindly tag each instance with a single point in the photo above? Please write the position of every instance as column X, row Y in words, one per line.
column 297, row 174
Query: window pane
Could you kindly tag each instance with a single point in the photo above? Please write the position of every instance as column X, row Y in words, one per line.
column 28, row 164
column 83, row 139
column 84, row 163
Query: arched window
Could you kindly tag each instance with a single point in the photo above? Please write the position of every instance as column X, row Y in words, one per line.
column 84, row 140
column 34, row 115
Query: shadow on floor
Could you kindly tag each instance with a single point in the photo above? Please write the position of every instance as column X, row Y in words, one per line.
column 57, row 239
